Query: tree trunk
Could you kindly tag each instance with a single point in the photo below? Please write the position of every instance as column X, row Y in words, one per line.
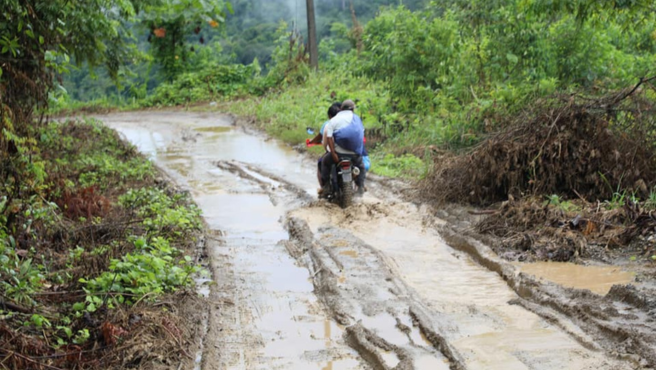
column 312, row 36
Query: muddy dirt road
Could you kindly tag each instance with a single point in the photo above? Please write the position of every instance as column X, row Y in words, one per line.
column 301, row 284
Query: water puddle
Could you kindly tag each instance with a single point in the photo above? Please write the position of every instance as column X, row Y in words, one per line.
column 203, row 286
column 597, row 279
column 390, row 358
column 385, row 326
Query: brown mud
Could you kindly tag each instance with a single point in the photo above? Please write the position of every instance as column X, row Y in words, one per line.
column 301, row 284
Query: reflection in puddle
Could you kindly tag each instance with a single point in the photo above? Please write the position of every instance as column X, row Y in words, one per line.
column 598, row 279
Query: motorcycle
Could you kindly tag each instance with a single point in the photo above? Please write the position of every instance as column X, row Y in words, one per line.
column 342, row 178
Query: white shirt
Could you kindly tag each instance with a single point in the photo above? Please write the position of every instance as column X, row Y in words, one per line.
column 341, row 120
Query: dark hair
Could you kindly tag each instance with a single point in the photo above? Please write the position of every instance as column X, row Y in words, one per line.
column 334, row 109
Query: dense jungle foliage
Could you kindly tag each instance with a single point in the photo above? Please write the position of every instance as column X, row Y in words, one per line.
column 440, row 72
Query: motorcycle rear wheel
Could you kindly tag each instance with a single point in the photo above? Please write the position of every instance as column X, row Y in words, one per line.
column 347, row 194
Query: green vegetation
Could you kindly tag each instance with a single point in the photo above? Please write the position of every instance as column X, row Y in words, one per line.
column 439, row 74
column 87, row 224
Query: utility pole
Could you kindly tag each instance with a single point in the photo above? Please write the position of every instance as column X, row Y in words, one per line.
column 312, row 36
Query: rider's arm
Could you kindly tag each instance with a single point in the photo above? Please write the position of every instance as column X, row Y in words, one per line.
column 317, row 139
column 330, row 141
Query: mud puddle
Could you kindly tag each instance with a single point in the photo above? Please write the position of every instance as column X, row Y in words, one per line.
column 264, row 313
column 597, row 279
column 470, row 303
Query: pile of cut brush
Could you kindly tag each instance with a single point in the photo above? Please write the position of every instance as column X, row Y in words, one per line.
column 599, row 152
column 568, row 145
column 560, row 230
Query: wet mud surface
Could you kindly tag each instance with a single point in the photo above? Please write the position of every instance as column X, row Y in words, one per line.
column 302, row 284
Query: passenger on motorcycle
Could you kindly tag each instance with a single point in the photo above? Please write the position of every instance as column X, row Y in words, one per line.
column 343, row 136
column 318, row 139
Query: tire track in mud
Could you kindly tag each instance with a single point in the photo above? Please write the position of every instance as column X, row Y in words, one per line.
column 379, row 312
column 620, row 323
column 272, row 320
column 388, row 334
column 478, row 314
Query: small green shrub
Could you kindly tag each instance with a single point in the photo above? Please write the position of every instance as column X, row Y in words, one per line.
column 154, row 268
column 20, row 279
column 650, row 203
column 170, row 216
column 98, row 167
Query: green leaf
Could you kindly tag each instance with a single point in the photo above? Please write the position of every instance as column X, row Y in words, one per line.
column 140, row 243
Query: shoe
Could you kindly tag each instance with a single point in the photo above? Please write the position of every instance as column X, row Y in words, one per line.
column 324, row 192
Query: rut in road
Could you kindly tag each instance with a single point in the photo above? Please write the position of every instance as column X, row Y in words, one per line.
column 302, row 284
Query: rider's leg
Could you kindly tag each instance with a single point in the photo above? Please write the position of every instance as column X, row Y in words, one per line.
column 326, row 165
column 359, row 181
column 319, row 171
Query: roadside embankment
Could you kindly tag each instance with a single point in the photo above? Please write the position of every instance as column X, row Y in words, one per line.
column 98, row 256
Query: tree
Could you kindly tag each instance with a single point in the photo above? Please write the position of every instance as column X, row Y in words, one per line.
column 312, row 35
column 171, row 22
column 39, row 37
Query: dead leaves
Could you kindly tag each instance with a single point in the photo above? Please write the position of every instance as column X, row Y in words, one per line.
column 111, row 333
